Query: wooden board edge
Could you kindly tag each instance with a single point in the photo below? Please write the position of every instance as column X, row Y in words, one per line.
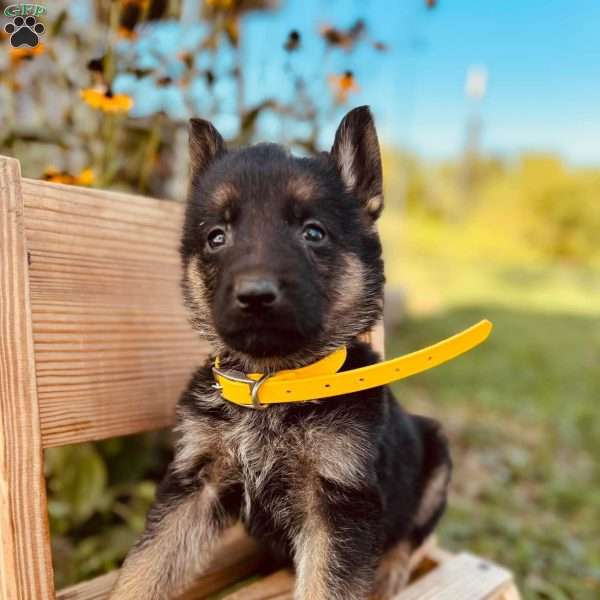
column 273, row 586
column 463, row 576
column 25, row 554
column 67, row 437
column 239, row 558
column 98, row 193
column 506, row 592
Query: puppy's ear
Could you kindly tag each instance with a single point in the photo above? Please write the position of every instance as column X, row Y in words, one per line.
column 356, row 153
column 206, row 144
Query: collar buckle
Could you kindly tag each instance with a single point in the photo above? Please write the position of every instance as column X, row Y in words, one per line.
column 253, row 384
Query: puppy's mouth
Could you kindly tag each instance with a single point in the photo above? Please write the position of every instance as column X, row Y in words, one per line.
column 263, row 340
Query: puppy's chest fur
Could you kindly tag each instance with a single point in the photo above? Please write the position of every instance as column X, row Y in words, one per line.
column 278, row 458
column 295, row 443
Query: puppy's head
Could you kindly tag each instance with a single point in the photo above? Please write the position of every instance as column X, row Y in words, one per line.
column 282, row 261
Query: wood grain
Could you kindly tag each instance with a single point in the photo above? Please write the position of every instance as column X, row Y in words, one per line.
column 280, row 584
column 277, row 586
column 506, row 592
column 464, row 576
column 25, row 561
column 112, row 343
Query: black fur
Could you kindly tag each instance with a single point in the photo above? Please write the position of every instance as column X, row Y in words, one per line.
column 331, row 485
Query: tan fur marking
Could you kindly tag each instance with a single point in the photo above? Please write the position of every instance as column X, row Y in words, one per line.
column 433, row 495
column 224, row 194
column 180, row 548
column 311, row 557
column 374, row 204
column 350, row 287
column 302, row 188
column 197, row 303
column 196, row 438
column 196, row 284
column 342, row 457
column 393, row 571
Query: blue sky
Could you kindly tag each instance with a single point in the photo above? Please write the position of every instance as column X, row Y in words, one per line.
column 542, row 56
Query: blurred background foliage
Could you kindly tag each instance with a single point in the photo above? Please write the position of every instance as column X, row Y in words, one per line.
column 514, row 239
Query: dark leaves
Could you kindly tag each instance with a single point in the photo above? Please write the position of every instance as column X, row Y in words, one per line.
column 343, row 38
column 293, row 41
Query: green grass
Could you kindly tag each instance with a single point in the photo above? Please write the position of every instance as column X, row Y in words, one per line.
column 521, row 410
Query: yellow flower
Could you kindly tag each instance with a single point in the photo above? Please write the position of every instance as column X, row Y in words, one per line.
column 342, row 85
column 103, row 99
column 16, row 55
column 127, row 34
column 220, row 4
column 86, row 177
column 55, row 176
column 211, row 7
column 131, row 13
column 232, row 29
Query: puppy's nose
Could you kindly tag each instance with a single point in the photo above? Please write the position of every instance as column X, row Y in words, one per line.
column 254, row 292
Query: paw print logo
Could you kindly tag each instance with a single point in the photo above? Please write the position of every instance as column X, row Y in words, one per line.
column 24, row 32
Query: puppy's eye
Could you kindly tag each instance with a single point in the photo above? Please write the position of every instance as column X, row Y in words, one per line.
column 216, row 238
column 313, row 233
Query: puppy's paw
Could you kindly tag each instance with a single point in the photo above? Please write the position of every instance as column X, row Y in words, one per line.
column 393, row 571
column 390, row 582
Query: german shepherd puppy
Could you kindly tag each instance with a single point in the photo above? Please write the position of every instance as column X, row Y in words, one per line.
column 281, row 266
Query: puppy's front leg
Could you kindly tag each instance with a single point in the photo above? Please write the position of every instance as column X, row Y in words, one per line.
column 182, row 527
column 339, row 544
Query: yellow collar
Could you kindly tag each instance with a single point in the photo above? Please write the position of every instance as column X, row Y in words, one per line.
column 322, row 380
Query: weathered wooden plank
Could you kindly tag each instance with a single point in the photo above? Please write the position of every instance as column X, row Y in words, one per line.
column 280, row 584
column 506, row 592
column 112, row 343
column 465, row 576
column 236, row 558
column 25, row 562
column 277, row 586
